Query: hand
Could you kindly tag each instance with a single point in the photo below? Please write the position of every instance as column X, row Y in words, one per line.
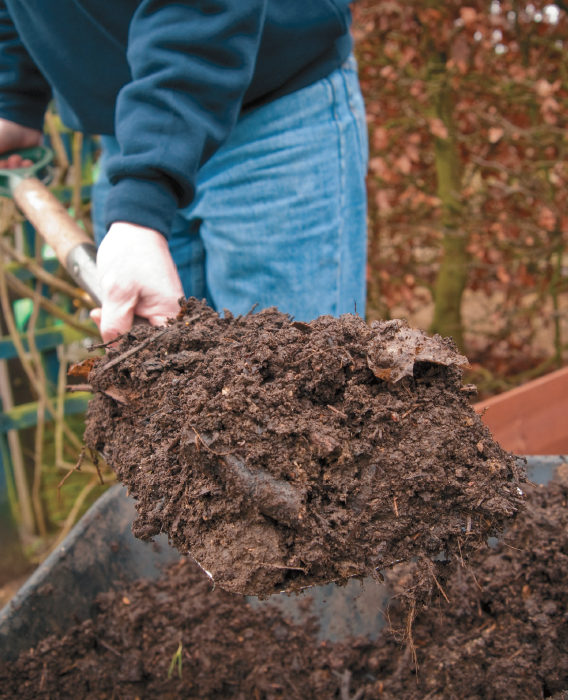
column 14, row 136
column 137, row 276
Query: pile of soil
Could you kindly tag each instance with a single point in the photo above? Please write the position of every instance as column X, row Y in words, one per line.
column 504, row 636
column 283, row 454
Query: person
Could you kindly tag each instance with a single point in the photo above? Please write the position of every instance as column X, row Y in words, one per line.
column 234, row 146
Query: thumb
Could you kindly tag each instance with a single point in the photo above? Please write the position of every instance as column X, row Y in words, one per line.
column 96, row 317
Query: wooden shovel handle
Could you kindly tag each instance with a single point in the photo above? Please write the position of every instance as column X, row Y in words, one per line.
column 49, row 218
column 73, row 247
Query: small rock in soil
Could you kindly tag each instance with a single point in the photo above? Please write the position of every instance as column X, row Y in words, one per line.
column 503, row 636
column 284, row 454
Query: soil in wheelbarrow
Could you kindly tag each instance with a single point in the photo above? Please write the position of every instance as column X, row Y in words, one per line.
column 502, row 636
column 283, row 454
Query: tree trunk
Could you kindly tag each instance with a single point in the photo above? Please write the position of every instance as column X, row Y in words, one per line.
column 452, row 275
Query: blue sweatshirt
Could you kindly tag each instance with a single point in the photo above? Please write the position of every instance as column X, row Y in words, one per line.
column 169, row 79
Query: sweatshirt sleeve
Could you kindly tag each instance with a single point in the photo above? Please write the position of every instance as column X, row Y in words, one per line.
column 24, row 92
column 191, row 63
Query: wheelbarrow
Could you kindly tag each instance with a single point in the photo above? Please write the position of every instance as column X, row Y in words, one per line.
column 100, row 554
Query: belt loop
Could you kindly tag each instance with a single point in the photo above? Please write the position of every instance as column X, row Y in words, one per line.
column 350, row 63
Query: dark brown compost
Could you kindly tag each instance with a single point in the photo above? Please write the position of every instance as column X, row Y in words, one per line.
column 503, row 636
column 283, row 454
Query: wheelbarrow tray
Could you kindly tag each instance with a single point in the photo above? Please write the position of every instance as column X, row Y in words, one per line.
column 101, row 553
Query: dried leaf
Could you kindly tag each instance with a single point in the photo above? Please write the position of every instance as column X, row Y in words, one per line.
column 412, row 152
column 438, row 128
column 468, row 15
column 403, row 164
column 461, row 52
column 383, row 202
column 544, row 89
column 115, row 393
column 82, row 369
column 503, row 275
column 396, row 347
column 495, row 133
column 547, row 219
column 380, row 138
column 378, row 167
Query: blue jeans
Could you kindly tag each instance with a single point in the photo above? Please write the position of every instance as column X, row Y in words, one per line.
column 279, row 216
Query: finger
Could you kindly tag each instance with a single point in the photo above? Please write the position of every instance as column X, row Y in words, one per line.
column 14, row 161
column 116, row 318
column 159, row 314
column 96, row 317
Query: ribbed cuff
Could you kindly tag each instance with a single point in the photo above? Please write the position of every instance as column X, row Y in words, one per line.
column 30, row 114
column 141, row 202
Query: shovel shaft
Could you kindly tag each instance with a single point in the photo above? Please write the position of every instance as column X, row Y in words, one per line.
column 72, row 246
column 49, row 217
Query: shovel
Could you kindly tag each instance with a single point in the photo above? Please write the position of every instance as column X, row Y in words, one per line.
column 74, row 249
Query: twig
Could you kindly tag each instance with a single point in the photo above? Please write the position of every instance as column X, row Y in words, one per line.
column 77, row 467
column 8, row 206
column 70, row 520
column 71, row 388
column 24, row 291
column 41, row 404
column 46, row 277
column 95, row 461
column 345, row 687
column 320, row 352
column 60, row 416
column 276, row 566
column 293, row 687
column 395, row 506
column 511, row 546
column 102, row 345
column 411, row 410
column 475, row 579
column 134, row 350
column 57, row 143
column 339, row 413
column 431, row 567
column 206, row 446
column 461, row 555
column 77, row 174
column 273, row 497
column 108, row 647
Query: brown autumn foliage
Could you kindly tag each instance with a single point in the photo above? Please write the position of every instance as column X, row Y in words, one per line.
column 468, row 122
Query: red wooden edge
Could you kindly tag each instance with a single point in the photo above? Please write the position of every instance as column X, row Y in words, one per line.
column 531, row 419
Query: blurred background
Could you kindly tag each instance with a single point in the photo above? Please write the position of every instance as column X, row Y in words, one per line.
column 467, row 111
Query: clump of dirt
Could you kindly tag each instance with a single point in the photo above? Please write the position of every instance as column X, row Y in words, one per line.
column 283, row 454
column 504, row 636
